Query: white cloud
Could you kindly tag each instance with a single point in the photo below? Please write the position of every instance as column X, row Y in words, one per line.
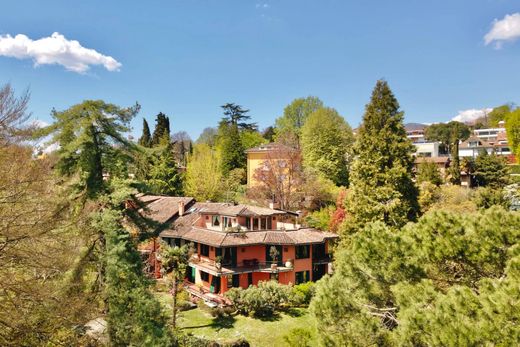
column 471, row 115
column 506, row 29
column 55, row 49
column 264, row 5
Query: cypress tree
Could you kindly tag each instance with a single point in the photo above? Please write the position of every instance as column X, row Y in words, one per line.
column 145, row 139
column 381, row 177
column 162, row 127
column 230, row 148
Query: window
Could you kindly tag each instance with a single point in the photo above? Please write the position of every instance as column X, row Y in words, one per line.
column 204, row 250
column 248, row 223
column 302, row 277
column 204, row 276
column 263, row 224
column 227, row 223
column 215, row 221
column 302, row 252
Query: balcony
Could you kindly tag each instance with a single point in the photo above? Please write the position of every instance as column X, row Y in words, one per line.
column 250, row 265
column 322, row 259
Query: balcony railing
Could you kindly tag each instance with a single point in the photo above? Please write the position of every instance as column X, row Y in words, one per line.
column 248, row 265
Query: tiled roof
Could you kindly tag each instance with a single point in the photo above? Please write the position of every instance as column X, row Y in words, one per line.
column 227, row 239
column 238, row 210
column 163, row 208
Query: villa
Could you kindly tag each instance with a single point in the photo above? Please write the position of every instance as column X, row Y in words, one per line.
column 238, row 245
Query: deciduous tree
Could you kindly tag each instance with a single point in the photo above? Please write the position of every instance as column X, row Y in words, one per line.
column 294, row 117
column 326, row 142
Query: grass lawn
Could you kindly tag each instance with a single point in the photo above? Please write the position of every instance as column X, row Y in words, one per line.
column 258, row 332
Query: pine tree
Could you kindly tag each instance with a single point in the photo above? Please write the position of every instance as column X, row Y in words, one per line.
column 145, row 139
column 162, row 127
column 381, row 177
column 326, row 141
column 235, row 114
column 491, row 170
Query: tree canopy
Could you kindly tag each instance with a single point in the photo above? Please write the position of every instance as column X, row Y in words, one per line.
column 381, row 186
column 449, row 279
column 326, row 142
column 294, row 117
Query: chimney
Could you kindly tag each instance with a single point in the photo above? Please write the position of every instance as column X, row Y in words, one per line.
column 181, row 208
column 274, row 205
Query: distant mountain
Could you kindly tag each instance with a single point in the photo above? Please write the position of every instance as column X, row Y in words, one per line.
column 414, row 126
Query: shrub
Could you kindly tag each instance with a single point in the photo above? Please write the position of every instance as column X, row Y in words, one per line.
column 261, row 300
column 302, row 294
column 298, row 338
column 487, row 197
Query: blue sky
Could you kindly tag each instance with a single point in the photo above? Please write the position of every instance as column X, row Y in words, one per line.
column 186, row 58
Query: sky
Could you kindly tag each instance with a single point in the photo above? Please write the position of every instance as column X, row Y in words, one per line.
column 443, row 59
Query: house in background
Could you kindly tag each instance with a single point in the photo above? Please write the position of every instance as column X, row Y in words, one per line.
column 270, row 153
column 238, row 245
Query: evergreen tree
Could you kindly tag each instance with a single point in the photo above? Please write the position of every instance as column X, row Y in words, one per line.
column 429, row 172
column 381, row 176
column 450, row 134
column 163, row 176
column 513, row 131
column 231, row 151
column 235, row 115
column 269, row 133
column 448, row 280
column 491, row 170
column 162, row 127
column 326, row 141
column 145, row 139
column 91, row 140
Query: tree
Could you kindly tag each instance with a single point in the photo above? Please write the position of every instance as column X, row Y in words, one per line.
column 491, row 170
column 448, row 279
column 294, row 117
column 91, row 140
column 281, row 177
column 381, row 186
column 135, row 317
column 162, row 128
column 208, row 137
column 230, row 148
column 251, row 138
column 513, row 131
column 13, row 113
column 163, row 175
column 269, row 133
column 429, row 172
column 174, row 262
column 450, row 134
column 326, row 141
column 235, row 115
column 203, row 175
column 181, row 146
column 145, row 139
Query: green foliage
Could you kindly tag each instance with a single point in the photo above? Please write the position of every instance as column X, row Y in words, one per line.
column 163, row 176
column 513, row 131
column 294, row 117
column 204, row 180
column 145, row 139
column 321, row 218
column 491, row 170
column 231, row 151
column 260, row 301
column 429, row 172
column 235, row 115
column 498, row 114
column 452, row 198
column 269, row 133
column 134, row 316
column 251, row 138
column 299, row 338
column 381, row 186
column 326, row 141
column 208, row 137
column 487, row 197
column 449, row 279
column 162, row 129
column 303, row 293
column 449, row 134
column 92, row 142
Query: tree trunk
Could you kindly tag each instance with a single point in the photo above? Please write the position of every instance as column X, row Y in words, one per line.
column 174, row 305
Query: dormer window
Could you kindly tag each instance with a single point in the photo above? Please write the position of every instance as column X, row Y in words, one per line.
column 474, row 143
column 215, row 221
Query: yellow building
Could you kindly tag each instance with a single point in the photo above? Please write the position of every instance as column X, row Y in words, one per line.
column 261, row 156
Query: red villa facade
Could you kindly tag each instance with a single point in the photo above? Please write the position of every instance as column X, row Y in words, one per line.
column 239, row 245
